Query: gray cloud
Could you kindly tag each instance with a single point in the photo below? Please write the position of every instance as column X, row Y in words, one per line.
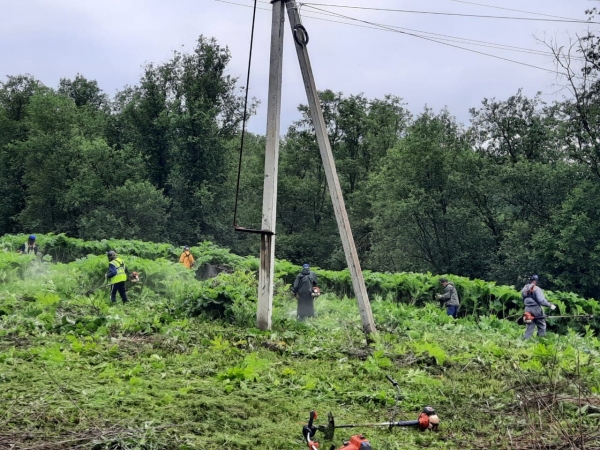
column 110, row 41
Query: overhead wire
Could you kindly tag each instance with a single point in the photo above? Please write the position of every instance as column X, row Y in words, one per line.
column 244, row 119
column 515, row 10
column 481, row 16
column 467, row 41
column 395, row 29
column 436, row 40
column 474, row 42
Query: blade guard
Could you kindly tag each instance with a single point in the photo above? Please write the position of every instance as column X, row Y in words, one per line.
column 330, row 430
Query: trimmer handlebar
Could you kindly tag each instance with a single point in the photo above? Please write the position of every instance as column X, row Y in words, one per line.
column 309, row 431
column 391, row 380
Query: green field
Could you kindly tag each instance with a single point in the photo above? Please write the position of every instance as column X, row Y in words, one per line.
column 182, row 366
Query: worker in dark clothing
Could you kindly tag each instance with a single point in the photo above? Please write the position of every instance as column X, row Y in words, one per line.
column 30, row 247
column 303, row 290
column 534, row 299
column 449, row 298
column 116, row 276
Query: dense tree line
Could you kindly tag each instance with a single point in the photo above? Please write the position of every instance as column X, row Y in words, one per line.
column 515, row 192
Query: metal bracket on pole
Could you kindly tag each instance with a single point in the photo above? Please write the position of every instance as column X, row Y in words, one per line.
column 333, row 182
column 250, row 230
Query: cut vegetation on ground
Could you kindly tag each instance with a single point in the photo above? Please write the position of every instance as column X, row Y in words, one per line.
column 182, row 366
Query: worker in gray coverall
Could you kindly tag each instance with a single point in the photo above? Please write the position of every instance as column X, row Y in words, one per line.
column 449, row 298
column 303, row 289
column 534, row 299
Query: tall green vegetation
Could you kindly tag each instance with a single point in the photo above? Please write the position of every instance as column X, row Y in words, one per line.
column 513, row 193
column 181, row 367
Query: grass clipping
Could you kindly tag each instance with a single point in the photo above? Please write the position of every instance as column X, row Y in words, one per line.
column 79, row 372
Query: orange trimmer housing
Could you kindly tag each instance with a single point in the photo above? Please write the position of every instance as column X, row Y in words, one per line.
column 528, row 317
column 357, row 442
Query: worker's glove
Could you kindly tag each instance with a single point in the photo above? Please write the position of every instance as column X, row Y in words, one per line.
column 438, row 296
column 552, row 307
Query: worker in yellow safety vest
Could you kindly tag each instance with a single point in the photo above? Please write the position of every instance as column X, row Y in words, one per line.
column 116, row 276
column 29, row 247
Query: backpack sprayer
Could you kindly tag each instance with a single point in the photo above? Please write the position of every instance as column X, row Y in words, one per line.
column 427, row 420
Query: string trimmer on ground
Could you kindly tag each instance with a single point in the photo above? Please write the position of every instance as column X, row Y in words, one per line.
column 427, row 420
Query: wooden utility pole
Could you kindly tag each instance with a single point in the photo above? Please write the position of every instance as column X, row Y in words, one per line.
column 266, row 273
column 267, row 243
column 333, row 182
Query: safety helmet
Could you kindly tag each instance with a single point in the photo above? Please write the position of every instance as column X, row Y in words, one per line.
column 305, row 266
column 534, row 278
column 32, row 237
column 186, row 248
column 111, row 254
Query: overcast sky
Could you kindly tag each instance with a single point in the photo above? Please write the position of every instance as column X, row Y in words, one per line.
column 110, row 40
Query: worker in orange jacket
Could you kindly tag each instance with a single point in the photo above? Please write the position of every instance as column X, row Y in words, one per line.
column 186, row 258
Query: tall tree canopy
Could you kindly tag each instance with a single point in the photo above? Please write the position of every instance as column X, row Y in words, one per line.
column 512, row 193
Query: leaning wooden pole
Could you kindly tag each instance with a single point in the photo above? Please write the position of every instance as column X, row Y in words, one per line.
column 266, row 272
column 358, row 282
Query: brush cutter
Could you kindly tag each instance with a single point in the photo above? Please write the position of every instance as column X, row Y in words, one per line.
column 427, row 420
column 528, row 317
column 134, row 278
column 91, row 291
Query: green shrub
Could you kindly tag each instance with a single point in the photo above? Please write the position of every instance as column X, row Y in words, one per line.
column 163, row 276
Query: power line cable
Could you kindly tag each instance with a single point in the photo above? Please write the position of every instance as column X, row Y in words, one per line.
column 481, row 16
column 473, row 41
column 457, row 39
column 438, row 41
column 515, row 10
column 244, row 119
column 460, row 40
column 391, row 28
